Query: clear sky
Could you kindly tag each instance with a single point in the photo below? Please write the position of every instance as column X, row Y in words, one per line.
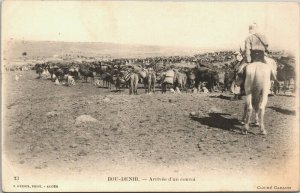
column 196, row 24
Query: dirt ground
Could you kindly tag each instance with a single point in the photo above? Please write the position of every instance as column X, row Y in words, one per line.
column 135, row 131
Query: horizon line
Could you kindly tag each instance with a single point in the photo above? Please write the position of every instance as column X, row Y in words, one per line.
column 195, row 48
column 128, row 44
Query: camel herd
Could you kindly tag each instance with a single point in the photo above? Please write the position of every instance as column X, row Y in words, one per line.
column 129, row 76
column 196, row 79
column 195, row 73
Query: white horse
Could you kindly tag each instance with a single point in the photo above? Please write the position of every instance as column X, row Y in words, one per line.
column 257, row 86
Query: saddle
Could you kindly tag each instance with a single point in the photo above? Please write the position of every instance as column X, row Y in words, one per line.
column 258, row 56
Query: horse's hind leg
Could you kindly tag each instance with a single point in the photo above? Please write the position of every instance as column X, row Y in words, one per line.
column 262, row 108
column 248, row 113
column 244, row 115
column 256, row 123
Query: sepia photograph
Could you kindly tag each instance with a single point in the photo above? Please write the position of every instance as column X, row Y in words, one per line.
column 131, row 96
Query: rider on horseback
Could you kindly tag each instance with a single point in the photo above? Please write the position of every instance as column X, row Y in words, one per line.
column 256, row 46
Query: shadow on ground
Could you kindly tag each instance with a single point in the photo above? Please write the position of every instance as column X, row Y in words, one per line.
column 222, row 97
column 117, row 91
column 283, row 111
column 217, row 120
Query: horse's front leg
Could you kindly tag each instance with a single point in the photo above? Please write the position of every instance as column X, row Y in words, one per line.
column 110, row 84
column 117, row 85
column 284, row 86
column 135, row 88
column 167, row 87
column 130, row 87
column 146, row 86
column 149, row 86
column 162, row 87
column 199, row 87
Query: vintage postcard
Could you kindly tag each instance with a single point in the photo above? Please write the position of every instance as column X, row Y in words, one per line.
column 149, row 96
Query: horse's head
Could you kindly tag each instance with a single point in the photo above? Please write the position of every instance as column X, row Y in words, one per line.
column 273, row 65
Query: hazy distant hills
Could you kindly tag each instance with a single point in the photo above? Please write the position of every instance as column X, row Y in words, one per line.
column 45, row 49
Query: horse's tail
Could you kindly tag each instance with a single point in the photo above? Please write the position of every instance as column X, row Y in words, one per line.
column 256, row 92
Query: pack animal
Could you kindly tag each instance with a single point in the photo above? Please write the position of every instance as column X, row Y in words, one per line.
column 86, row 73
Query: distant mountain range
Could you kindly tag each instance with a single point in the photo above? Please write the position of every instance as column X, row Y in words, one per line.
column 44, row 49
